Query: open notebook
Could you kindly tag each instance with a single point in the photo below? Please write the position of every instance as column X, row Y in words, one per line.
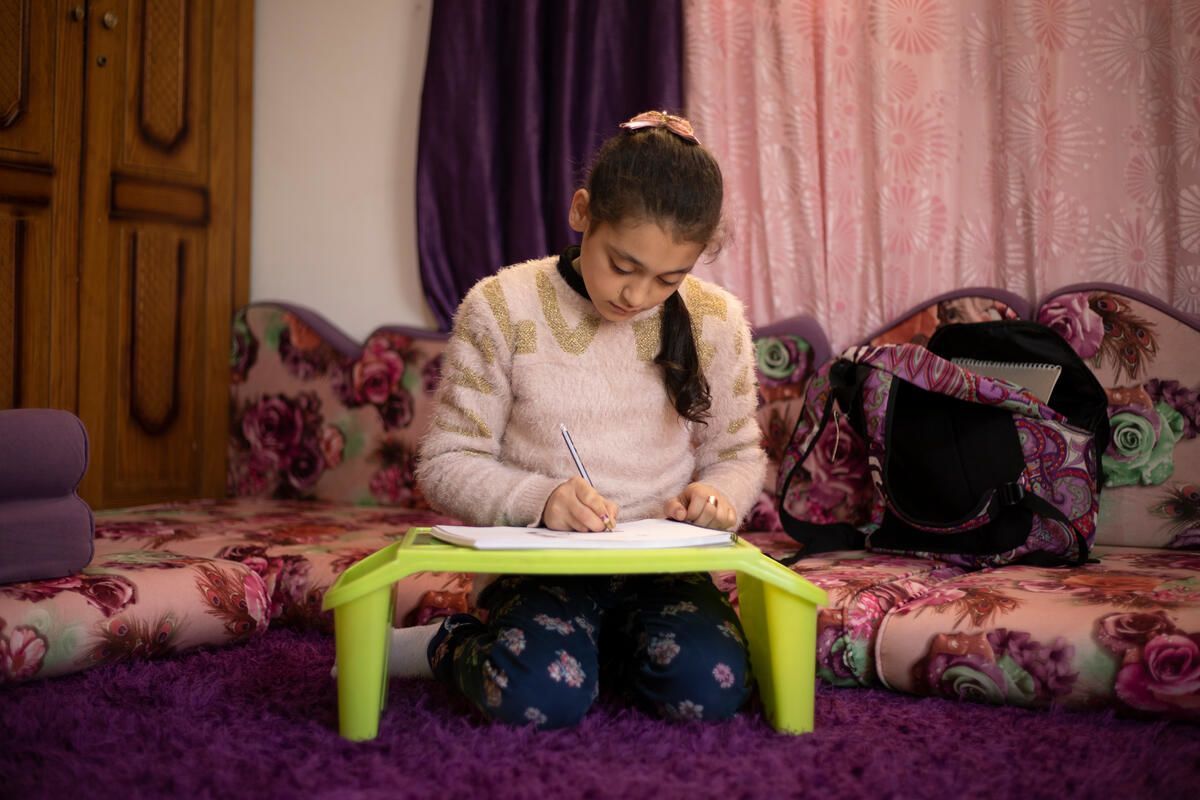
column 642, row 534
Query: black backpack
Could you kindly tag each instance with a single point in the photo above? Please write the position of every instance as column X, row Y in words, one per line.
column 967, row 469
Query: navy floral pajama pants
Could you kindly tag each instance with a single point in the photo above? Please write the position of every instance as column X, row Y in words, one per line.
column 671, row 641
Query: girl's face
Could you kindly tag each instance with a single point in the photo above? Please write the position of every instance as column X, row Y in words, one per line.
column 629, row 267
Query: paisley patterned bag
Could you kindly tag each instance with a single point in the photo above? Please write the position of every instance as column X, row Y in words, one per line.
column 968, row 469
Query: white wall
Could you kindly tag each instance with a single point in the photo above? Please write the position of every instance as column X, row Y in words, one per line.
column 337, row 95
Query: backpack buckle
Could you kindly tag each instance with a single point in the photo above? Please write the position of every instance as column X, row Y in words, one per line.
column 1011, row 493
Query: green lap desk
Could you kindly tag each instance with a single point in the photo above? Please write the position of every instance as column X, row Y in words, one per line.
column 778, row 611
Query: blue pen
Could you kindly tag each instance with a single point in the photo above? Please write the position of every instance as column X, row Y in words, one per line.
column 579, row 466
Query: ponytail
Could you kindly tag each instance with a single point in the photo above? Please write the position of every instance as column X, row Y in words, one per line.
column 685, row 382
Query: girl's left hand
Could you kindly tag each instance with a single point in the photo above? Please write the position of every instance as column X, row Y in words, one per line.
column 703, row 505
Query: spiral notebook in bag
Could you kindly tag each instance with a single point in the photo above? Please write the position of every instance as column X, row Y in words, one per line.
column 1037, row 378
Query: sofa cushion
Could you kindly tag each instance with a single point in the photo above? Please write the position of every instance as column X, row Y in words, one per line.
column 1145, row 355
column 126, row 604
column 317, row 416
column 45, row 527
column 298, row 548
column 1124, row 632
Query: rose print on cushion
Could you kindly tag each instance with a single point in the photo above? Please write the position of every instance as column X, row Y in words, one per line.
column 384, row 376
column 834, row 649
column 1184, row 400
column 1160, row 664
column 22, row 651
column 1072, row 318
column 108, row 593
column 395, row 483
column 280, row 445
column 998, row 667
column 1141, row 450
column 1037, row 674
column 783, row 364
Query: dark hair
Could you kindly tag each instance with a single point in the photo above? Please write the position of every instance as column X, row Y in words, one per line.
column 654, row 175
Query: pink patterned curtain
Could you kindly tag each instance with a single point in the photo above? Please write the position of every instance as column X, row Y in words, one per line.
column 879, row 152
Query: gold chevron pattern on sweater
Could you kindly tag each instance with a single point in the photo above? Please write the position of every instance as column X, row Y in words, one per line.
column 519, row 336
column 480, row 341
column 572, row 340
column 478, row 429
column 647, row 336
column 702, row 303
column 464, row 376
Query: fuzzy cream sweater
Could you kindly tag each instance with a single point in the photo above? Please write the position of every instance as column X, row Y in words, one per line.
column 529, row 352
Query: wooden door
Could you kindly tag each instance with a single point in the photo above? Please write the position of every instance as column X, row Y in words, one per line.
column 163, row 242
column 41, row 73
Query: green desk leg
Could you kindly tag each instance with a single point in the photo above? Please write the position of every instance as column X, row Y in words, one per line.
column 782, row 629
column 360, row 629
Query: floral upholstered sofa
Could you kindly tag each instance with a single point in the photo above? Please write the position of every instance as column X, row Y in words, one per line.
column 321, row 452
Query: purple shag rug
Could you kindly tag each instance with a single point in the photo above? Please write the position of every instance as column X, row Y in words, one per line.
column 259, row 721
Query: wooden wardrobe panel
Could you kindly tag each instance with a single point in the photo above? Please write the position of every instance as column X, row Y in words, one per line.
column 41, row 51
column 27, row 55
column 25, row 325
column 159, row 250
column 12, row 267
column 166, row 90
column 157, row 395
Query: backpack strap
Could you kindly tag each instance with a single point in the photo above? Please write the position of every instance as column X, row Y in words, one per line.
column 1044, row 508
column 845, row 385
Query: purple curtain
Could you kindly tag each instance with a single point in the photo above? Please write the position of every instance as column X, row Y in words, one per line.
column 517, row 96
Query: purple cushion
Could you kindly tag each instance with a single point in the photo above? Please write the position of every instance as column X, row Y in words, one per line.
column 43, row 453
column 46, row 529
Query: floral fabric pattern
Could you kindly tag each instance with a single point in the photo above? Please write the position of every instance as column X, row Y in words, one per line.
column 784, row 364
column 1120, row 633
column 126, row 606
column 298, row 548
column 1144, row 357
column 315, row 421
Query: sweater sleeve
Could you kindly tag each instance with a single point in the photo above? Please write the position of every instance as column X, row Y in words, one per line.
column 459, row 468
column 729, row 452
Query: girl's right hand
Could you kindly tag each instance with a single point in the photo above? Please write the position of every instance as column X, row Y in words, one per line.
column 575, row 506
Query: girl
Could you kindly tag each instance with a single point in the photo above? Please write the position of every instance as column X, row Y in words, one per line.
column 652, row 370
